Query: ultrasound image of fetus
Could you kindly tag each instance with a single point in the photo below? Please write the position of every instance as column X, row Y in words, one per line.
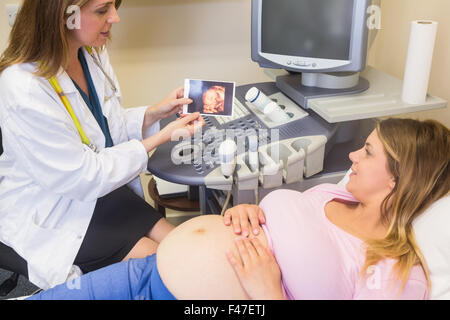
column 214, row 100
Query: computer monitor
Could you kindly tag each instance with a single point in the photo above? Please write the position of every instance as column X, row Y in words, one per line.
column 325, row 40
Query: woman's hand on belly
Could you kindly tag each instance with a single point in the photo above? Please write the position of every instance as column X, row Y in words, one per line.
column 192, row 260
column 257, row 270
column 240, row 216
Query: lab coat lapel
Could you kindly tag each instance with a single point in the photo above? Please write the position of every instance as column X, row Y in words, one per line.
column 72, row 94
column 97, row 77
column 89, row 125
column 65, row 82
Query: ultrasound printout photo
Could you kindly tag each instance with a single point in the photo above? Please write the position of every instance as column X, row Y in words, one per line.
column 211, row 98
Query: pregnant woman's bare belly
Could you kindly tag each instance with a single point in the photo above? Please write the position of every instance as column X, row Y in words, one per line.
column 192, row 263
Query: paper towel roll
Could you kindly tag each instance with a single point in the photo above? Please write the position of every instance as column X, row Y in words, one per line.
column 418, row 61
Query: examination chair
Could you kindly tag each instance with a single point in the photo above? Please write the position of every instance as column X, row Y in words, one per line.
column 10, row 260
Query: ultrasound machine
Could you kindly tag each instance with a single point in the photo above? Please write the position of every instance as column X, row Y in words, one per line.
column 296, row 131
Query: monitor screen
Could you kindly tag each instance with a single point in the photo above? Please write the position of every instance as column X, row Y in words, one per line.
column 310, row 28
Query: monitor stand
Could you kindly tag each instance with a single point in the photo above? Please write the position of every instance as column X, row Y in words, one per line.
column 303, row 87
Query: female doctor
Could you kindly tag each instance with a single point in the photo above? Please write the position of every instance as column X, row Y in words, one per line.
column 70, row 149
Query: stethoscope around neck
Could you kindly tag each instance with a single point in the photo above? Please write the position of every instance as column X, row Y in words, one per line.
column 57, row 87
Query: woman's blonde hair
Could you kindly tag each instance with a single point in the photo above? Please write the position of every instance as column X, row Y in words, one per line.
column 418, row 154
column 40, row 34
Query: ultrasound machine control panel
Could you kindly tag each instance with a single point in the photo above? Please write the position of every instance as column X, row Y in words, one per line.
column 285, row 147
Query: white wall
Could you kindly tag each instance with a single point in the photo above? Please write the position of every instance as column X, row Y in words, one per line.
column 4, row 26
column 160, row 42
column 390, row 50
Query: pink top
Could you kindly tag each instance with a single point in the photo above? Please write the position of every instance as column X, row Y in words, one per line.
column 318, row 260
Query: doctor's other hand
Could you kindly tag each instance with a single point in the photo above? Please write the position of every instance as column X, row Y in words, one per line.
column 180, row 128
column 172, row 104
column 257, row 269
column 240, row 216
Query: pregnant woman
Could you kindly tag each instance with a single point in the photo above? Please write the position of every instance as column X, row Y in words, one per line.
column 329, row 242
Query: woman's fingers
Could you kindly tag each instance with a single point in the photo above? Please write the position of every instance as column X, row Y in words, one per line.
column 227, row 217
column 243, row 250
column 251, row 250
column 245, row 219
column 232, row 217
column 244, row 222
column 236, row 221
column 261, row 216
column 259, row 248
column 255, row 216
column 257, row 269
column 236, row 263
column 254, row 222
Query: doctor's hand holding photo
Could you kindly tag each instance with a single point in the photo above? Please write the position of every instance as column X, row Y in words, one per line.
column 169, row 106
column 181, row 127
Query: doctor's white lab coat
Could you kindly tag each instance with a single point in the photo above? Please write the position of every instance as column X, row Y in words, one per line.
column 49, row 180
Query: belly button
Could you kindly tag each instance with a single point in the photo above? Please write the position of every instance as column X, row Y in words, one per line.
column 200, row 231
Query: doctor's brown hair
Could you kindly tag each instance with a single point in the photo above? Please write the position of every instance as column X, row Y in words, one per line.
column 40, row 34
column 418, row 155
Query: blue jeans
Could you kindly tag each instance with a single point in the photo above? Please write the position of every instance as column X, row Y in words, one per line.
column 135, row 279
